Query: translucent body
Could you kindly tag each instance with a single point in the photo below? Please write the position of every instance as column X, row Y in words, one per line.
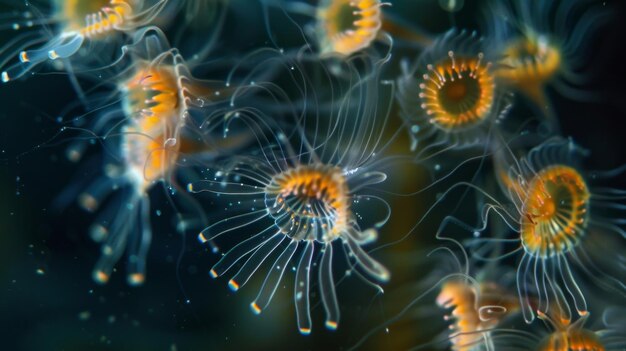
column 473, row 301
column 559, row 218
column 152, row 97
column 308, row 205
column 528, row 65
column 149, row 147
column 566, row 334
column 541, row 44
column 298, row 195
column 474, row 311
column 145, row 129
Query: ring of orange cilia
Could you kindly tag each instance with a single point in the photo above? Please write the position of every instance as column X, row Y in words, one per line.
column 458, row 93
column 350, row 25
column 555, row 211
column 309, row 202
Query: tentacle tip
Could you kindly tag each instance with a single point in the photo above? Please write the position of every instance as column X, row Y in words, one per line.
column 214, row 274
column 233, row 285
column 190, row 187
column 100, row 277
column 332, row 325
column 88, row 202
column 370, row 235
column 529, row 319
column 136, row 279
column 24, row 57
column 202, row 239
column 541, row 314
column 5, row 77
column 384, row 276
column 73, row 155
column 305, row 331
column 98, row 233
column 53, row 55
column 255, row 308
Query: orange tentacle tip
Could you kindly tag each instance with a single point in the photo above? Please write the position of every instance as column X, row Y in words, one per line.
column 100, row 277
column 255, row 308
column 331, row 325
column 136, row 279
column 233, row 285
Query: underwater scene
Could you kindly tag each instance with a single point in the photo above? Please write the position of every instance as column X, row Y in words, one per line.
column 313, row 175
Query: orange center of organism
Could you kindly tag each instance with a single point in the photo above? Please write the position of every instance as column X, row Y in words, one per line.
column 347, row 26
column 568, row 336
column 572, row 339
column 93, row 18
column 458, row 92
column 528, row 62
column 151, row 102
column 473, row 311
column 555, row 211
column 310, row 202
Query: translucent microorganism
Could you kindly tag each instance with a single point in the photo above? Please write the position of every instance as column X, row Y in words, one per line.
column 560, row 216
column 145, row 134
column 543, row 44
column 474, row 310
column 309, row 205
column 339, row 28
column 449, row 96
column 556, row 208
column 299, row 195
column 70, row 24
column 566, row 333
column 471, row 299
column 570, row 336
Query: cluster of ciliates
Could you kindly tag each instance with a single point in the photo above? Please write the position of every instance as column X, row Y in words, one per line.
column 292, row 146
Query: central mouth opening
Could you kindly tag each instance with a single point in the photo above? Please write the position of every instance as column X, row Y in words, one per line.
column 346, row 17
column 460, row 95
column 309, row 202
